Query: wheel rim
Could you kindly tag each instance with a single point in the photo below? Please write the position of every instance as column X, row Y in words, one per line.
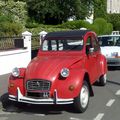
column 105, row 78
column 84, row 96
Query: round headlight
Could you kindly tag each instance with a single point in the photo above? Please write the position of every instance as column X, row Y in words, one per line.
column 65, row 72
column 15, row 72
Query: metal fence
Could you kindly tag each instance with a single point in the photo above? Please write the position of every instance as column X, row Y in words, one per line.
column 7, row 43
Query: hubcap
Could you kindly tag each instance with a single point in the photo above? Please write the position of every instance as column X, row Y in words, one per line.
column 84, row 96
column 105, row 78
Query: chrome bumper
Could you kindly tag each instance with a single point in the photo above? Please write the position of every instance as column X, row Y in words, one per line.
column 113, row 61
column 24, row 99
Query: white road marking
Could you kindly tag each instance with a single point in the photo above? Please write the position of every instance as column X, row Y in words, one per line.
column 118, row 92
column 3, row 118
column 110, row 102
column 99, row 116
column 72, row 118
column 39, row 115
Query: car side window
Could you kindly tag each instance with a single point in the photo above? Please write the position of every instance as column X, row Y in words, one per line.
column 95, row 44
column 88, row 45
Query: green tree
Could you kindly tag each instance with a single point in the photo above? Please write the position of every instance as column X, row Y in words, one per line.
column 101, row 26
column 115, row 20
column 8, row 27
column 15, row 9
column 100, row 8
column 12, row 17
column 57, row 11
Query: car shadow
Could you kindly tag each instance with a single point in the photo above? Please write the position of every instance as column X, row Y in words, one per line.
column 10, row 106
column 113, row 82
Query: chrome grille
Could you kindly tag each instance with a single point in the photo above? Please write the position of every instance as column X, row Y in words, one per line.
column 38, row 85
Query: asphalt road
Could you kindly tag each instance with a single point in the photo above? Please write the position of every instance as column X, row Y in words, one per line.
column 105, row 105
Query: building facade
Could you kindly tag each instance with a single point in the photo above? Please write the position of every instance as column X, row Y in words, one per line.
column 113, row 6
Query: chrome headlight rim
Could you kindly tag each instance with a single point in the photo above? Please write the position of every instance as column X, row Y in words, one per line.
column 15, row 72
column 65, row 72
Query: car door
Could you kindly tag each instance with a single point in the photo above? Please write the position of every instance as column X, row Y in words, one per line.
column 90, row 62
column 97, row 55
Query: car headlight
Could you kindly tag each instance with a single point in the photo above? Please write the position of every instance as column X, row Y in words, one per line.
column 16, row 72
column 65, row 72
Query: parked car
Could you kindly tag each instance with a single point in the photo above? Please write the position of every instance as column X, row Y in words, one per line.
column 110, row 47
column 67, row 65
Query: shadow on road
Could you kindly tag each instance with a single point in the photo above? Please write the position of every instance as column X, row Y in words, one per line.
column 9, row 106
column 114, row 82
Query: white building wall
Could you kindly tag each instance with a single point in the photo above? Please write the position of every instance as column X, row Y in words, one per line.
column 16, row 58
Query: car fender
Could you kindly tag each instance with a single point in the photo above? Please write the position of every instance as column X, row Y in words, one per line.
column 103, row 65
column 71, row 85
column 15, row 82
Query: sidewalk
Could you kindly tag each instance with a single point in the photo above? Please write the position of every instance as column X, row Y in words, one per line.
column 4, row 83
column 3, row 88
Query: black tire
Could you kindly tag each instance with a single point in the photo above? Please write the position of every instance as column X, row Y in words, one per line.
column 103, row 80
column 19, row 104
column 81, row 102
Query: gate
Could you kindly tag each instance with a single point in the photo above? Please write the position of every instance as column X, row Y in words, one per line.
column 35, row 41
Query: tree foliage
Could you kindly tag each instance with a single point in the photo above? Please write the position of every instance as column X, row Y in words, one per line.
column 8, row 27
column 57, row 11
column 12, row 17
column 101, row 26
column 100, row 8
column 15, row 9
column 115, row 20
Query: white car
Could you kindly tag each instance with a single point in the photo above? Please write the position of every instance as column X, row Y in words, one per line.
column 110, row 47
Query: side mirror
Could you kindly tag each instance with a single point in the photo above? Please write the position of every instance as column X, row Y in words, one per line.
column 91, row 50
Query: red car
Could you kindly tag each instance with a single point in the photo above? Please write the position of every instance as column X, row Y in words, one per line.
column 67, row 65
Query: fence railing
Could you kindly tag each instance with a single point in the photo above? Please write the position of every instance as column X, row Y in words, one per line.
column 35, row 41
column 7, row 43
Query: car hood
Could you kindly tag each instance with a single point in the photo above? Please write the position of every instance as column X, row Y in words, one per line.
column 49, row 67
column 109, row 50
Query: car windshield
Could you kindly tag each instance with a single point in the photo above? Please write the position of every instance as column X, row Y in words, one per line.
column 62, row 45
column 109, row 40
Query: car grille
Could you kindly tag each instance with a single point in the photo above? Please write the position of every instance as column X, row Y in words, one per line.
column 38, row 85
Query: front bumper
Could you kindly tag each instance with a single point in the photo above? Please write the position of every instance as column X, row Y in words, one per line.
column 113, row 61
column 24, row 99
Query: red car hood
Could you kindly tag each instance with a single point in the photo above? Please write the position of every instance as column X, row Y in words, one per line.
column 48, row 67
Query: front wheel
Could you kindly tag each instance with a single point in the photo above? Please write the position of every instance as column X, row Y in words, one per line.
column 82, row 100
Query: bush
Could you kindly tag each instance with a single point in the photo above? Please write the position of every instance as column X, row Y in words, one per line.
column 77, row 24
column 31, row 23
column 109, row 28
column 102, row 27
column 117, row 26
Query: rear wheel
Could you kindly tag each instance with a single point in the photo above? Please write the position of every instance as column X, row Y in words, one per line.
column 103, row 80
column 82, row 100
